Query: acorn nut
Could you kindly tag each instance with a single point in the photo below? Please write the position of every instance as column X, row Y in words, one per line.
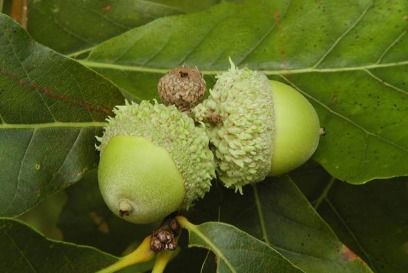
column 153, row 161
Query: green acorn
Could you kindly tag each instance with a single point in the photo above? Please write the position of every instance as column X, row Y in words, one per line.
column 153, row 162
column 258, row 127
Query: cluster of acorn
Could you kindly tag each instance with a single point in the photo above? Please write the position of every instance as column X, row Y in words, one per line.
column 159, row 158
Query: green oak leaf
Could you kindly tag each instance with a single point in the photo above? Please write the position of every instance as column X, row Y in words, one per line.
column 51, row 108
column 372, row 220
column 26, row 250
column 236, row 251
column 277, row 212
column 75, row 26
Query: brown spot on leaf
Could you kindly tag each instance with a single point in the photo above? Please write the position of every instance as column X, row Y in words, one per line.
column 107, row 8
column 347, row 254
column 281, row 43
column 277, row 17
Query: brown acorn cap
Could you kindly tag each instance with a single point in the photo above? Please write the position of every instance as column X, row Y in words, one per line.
column 183, row 87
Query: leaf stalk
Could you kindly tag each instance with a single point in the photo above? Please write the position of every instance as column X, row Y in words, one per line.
column 142, row 254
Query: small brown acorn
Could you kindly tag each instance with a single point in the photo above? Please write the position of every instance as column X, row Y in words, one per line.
column 183, row 87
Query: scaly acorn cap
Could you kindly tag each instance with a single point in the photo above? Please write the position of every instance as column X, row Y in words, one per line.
column 183, row 87
column 240, row 101
column 249, row 121
column 149, row 154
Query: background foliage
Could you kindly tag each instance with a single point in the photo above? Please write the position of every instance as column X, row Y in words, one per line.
column 67, row 63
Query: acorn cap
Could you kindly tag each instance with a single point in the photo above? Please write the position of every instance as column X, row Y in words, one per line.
column 258, row 127
column 158, row 129
column 183, row 87
column 239, row 117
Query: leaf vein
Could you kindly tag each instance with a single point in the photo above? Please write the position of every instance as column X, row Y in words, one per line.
column 387, row 84
column 197, row 45
column 66, row 156
column 20, row 62
column 16, row 190
column 21, row 252
column 353, row 236
column 259, row 209
column 160, row 49
column 348, row 120
column 63, row 28
column 52, row 125
column 341, row 37
column 215, row 249
column 263, row 38
column 130, row 47
column 82, row 96
column 392, row 44
column 107, row 19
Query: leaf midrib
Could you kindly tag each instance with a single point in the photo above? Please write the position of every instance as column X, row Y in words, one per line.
column 145, row 69
column 365, row 69
column 52, row 125
column 350, row 231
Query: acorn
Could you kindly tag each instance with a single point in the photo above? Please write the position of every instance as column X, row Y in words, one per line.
column 258, row 127
column 153, row 161
column 183, row 87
